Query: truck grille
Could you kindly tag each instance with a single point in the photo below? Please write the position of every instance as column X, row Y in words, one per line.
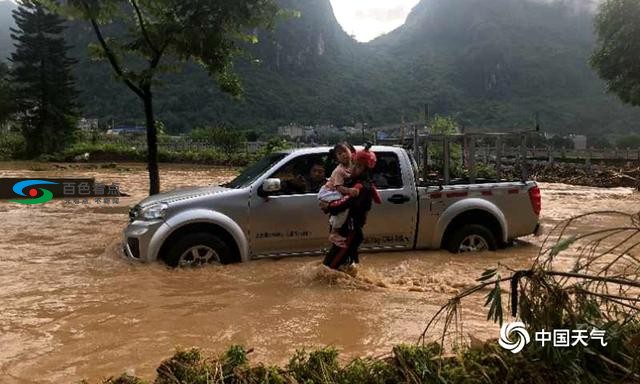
column 134, row 247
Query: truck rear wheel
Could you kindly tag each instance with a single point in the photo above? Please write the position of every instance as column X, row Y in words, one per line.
column 198, row 249
column 472, row 238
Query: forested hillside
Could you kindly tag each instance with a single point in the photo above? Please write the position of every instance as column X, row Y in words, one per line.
column 490, row 63
column 497, row 62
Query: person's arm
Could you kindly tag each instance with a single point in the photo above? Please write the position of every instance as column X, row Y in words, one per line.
column 337, row 206
column 345, row 203
column 339, row 177
column 353, row 192
column 375, row 195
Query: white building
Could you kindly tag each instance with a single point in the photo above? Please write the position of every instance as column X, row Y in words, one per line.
column 352, row 130
column 326, row 129
column 88, row 124
column 292, row 131
column 579, row 141
column 255, row 146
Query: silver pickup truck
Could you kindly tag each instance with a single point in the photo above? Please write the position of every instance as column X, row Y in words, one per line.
column 269, row 211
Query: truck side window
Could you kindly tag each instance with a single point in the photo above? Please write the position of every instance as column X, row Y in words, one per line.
column 302, row 175
column 387, row 174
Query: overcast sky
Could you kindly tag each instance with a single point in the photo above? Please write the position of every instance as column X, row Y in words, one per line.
column 368, row 19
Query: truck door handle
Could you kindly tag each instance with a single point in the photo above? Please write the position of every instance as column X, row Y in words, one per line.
column 398, row 199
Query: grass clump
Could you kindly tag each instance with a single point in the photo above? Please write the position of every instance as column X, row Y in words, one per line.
column 412, row 364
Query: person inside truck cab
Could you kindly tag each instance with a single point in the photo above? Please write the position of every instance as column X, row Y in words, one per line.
column 316, row 177
column 309, row 181
column 290, row 181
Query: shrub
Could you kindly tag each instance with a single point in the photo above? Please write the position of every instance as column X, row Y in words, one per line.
column 12, row 146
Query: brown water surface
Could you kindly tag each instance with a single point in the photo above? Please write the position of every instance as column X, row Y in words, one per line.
column 71, row 307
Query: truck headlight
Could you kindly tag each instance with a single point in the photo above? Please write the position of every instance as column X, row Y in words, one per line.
column 153, row 212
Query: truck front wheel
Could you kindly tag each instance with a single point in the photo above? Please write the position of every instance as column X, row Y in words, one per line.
column 197, row 249
column 472, row 238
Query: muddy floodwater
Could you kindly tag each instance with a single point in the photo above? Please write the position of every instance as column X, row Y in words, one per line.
column 71, row 307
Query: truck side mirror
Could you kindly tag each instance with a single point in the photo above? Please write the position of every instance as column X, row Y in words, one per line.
column 269, row 186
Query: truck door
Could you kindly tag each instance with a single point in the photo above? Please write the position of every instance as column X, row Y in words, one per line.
column 393, row 223
column 290, row 222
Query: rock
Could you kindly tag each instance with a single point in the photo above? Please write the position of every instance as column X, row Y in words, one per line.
column 84, row 157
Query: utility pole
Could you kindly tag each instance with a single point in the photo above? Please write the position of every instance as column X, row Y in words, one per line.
column 416, row 148
column 364, row 125
column 426, row 115
column 425, row 148
column 402, row 130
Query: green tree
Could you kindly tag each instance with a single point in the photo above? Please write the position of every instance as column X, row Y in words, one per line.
column 559, row 142
column 5, row 98
column 209, row 32
column 598, row 142
column 227, row 140
column 252, row 135
column 629, row 141
column 446, row 126
column 41, row 80
column 617, row 55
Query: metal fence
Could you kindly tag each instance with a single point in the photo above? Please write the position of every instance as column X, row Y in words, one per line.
column 180, row 144
column 502, row 151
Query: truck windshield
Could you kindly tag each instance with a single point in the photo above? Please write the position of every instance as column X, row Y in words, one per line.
column 254, row 171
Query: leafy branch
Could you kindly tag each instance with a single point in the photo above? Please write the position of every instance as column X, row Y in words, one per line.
column 599, row 289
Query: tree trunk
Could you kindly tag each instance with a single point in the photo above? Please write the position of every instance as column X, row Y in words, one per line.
column 152, row 144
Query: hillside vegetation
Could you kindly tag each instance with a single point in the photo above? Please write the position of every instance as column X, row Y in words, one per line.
column 492, row 64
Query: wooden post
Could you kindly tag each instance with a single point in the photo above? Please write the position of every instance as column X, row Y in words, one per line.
column 425, row 148
column 425, row 158
column 446, row 160
column 465, row 151
column 425, row 166
column 472, row 160
column 499, row 158
column 416, row 147
column 523, row 158
column 402, row 131
column 426, row 151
